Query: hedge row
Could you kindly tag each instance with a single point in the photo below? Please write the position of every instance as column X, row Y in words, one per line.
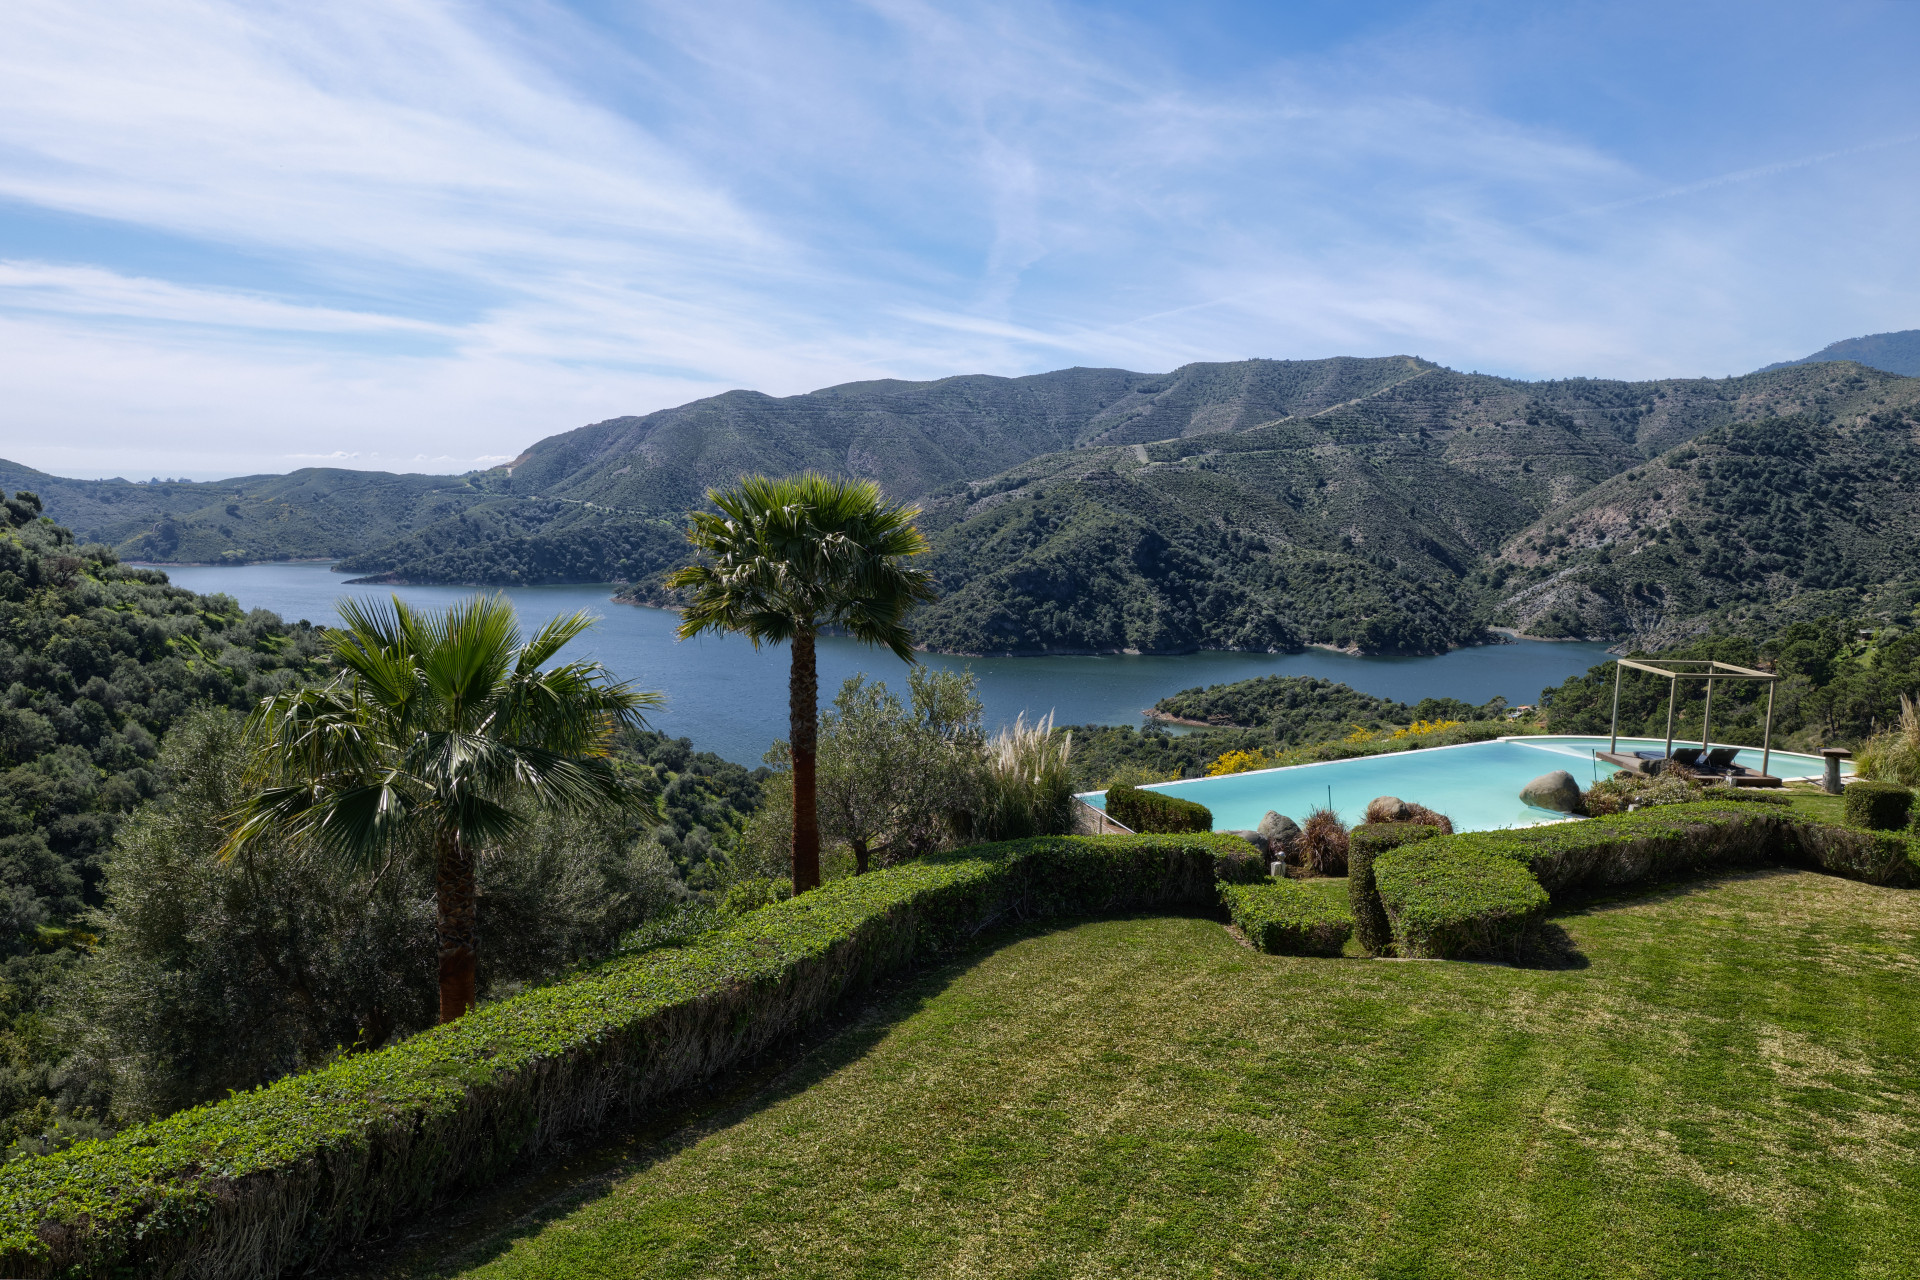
column 1481, row 893
column 1141, row 810
column 1292, row 917
column 285, row 1175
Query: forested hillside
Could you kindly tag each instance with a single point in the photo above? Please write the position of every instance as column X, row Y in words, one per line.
column 98, row 662
column 315, row 513
column 1746, row 527
column 1843, row 680
column 1385, row 524
column 1385, row 505
column 139, row 971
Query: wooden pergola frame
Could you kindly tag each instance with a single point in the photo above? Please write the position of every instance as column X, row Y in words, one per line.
column 1674, row 671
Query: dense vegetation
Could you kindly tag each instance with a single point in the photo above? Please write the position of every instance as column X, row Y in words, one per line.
column 1298, row 709
column 97, row 662
column 1747, row 527
column 524, row 543
column 1841, row 680
column 211, row 974
column 138, row 973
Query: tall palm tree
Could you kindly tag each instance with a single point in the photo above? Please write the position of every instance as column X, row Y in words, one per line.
column 435, row 725
column 785, row 558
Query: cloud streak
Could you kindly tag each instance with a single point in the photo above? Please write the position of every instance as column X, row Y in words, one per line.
column 417, row 229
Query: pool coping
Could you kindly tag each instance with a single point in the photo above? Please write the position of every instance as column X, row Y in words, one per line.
column 1524, row 739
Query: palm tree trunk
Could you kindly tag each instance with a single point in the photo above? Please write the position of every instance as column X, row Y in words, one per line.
column 803, row 713
column 457, row 895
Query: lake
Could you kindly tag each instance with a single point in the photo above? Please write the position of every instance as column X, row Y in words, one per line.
column 733, row 701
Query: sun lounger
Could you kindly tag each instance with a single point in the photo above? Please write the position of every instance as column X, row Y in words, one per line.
column 1720, row 759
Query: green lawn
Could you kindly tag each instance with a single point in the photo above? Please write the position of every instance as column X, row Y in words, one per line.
column 1723, row 1082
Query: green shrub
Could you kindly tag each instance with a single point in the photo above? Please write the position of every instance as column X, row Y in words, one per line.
column 1443, row 901
column 1364, row 843
column 285, row 1175
column 753, row 893
column 1150, row 811
column 1378, row 837
column 1878, row 806
column 1292, row 917
column 1663, row 843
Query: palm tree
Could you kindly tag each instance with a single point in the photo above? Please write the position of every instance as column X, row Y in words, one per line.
column 434, row 727
column 785, row 558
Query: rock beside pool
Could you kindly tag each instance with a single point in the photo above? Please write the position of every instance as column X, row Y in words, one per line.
column 1556, row 790
column 1389, row 809
column 1255, row 839
column 1280, row 832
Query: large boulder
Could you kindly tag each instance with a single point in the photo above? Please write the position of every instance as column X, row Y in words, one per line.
column 1556, row 790
column 1389, row 809
column 1279, row 829
column 1255, row 839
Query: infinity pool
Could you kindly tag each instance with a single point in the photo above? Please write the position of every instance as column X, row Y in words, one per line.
column 1476, row 784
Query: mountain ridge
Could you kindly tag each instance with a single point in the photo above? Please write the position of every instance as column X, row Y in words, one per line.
column 1365, row 503
column 1894, row 352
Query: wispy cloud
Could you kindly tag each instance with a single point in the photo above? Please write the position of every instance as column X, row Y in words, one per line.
column 431, row 231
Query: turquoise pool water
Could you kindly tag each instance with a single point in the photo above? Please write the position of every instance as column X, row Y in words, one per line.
column 1477, row 785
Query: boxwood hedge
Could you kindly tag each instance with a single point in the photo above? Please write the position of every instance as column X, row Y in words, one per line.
column 1151, row 811
column 1460, row 895
column 284, row 1175
column 1444, row 901
column 1365, row 843
column 1878, row 806
column 1672, row 841
column 1292, row 917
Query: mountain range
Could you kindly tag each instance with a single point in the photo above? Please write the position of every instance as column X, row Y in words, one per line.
column 1889, row 352
column 1382, row 505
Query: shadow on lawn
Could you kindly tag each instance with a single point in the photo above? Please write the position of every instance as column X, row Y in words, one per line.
column 1553, row 947
column 481, row 1225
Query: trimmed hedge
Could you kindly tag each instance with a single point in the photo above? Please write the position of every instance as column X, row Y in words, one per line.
column 1878, row 806
column 1149, row 811
column 1672, row 841
column 1480, row 893
column 1443, row 901
column 1365, row 843
column 1292, row 917
column 287, row 1174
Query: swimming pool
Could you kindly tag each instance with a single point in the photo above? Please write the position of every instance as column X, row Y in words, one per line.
column 1477, row 784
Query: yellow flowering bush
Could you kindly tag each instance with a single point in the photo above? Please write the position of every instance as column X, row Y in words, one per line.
column 1421, row 727
column 1238, row 762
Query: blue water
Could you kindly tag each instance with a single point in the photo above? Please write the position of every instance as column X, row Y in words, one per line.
column 1477, row 785
column 732, row 700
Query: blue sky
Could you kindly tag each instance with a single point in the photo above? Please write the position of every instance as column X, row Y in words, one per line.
column 418, row 235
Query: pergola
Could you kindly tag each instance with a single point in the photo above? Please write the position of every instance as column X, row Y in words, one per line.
column 1677, row 669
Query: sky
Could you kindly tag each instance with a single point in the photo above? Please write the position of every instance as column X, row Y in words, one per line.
column 414, row 235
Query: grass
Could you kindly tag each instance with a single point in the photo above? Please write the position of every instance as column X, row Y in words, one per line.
column 1722, row 1079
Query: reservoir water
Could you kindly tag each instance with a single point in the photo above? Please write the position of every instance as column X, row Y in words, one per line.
column 731, row 700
